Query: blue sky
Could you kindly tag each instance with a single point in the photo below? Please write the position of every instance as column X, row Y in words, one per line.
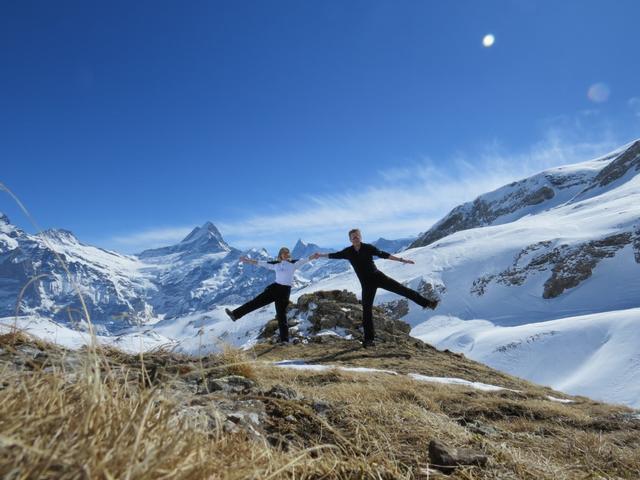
column 130, row 123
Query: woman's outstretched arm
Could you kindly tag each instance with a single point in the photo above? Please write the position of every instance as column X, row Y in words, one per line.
column 259, row 263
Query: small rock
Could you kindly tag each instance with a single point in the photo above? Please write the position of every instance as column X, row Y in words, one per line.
column 282, row 392
column 321, row 407
column 446, row 458
column 478, row 427
column 242, row 416
column 290, row 418
column 232, row 384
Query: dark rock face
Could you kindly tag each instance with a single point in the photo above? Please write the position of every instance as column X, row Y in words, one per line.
column 539, row 196
column 569, row 266
column 578, row 264
column 31, row 270
column 430, row 291
column 621, row 165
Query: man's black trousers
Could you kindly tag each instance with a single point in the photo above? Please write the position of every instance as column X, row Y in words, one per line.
column 273, row 293
column 369, row 287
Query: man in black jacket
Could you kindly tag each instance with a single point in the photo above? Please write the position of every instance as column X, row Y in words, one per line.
column 360, row 255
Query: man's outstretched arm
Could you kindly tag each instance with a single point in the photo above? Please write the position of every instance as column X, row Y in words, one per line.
column 402, row 260
column 386, row 255
column 342, row 254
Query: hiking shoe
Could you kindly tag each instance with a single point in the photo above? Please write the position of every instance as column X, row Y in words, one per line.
column 368, row 344
column 231, row 315
column 432, row 304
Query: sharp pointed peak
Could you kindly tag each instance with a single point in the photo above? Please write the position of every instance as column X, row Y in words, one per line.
column 59, row 234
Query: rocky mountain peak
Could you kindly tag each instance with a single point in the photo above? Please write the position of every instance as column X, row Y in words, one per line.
column 60, row 235
column 4, row 219
column 204, row 239
column 303, row 249
column 207, row 233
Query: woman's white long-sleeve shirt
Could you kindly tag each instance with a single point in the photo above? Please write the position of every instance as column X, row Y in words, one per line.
column 284, row 270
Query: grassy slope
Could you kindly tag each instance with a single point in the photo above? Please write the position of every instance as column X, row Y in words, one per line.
column 109, row 415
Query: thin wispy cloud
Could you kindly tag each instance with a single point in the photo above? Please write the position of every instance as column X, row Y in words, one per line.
column 402, row 202
column 409, row 200
column 153, row 238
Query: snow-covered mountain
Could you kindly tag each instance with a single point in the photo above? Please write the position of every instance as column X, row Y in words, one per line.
column 113, row 286
column 121, row 290
column 192, row 276
column 525, row 197
column 196, row 280
column 547, row 267
column 540, row 278
column 394, row 246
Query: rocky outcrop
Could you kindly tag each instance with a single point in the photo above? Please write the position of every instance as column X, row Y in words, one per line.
column 396, row 309
column 337, row 311
column 577, row 264
column 629, row 159
column 569, row 265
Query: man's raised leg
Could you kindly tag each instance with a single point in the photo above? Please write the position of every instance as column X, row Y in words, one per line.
column 396, row 287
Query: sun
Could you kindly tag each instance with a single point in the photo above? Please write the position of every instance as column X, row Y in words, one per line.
column 488, row 40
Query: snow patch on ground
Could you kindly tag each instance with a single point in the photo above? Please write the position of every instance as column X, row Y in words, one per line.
column 302, row 365
column 458, row 381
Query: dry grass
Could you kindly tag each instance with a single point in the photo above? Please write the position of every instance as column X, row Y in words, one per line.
column 237, row 362
column 109, row 415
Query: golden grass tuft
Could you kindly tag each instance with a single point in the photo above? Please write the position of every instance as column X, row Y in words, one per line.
column 237, row 362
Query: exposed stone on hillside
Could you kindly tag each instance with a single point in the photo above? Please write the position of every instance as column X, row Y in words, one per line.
column 578, row 264
column 447, row 458
column 396, row 309
column 569, row 265
column 539, row 196
column 529, row 340
column 431, row 291
column 232, row 384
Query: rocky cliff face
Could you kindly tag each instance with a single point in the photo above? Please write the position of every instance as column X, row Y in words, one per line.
column 566, row 266
column 535, row 194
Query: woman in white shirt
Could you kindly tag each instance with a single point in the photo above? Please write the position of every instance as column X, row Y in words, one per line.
column 277, row 292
